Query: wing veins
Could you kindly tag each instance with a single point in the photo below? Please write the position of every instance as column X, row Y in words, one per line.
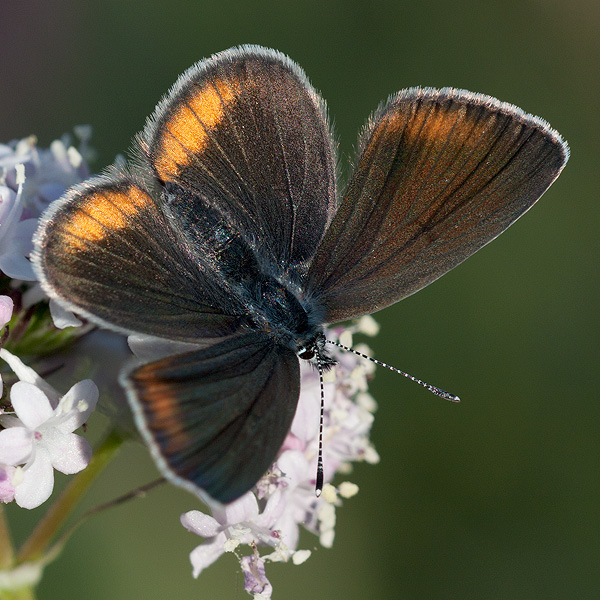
column 241, row 414
column 289, row 196
column 430, row 225
column 115, row 233
column 172, row 296
column 374, row 205
column 442, row 196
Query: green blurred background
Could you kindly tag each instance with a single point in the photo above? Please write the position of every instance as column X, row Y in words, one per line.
column 495, row 498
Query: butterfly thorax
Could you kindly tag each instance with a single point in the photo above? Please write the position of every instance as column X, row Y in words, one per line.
column 267, row 297
column 275, row 309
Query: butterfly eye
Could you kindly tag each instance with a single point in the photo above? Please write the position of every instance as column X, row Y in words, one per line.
column 306, row 353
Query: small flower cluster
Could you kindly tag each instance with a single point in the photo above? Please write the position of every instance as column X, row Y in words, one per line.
column 271, row 514
column 30, row 179
column 37, row 423
column 38, row 437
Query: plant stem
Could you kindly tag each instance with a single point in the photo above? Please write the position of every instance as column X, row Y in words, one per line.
column 7, row 551
column 22, row 594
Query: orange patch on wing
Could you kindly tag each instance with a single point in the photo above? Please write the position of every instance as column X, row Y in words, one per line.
column 436, row 124
column 458, row 127
column 429, row 124
column 101, row 213
column 186, row 131
column 439, row 128
column 162, row 409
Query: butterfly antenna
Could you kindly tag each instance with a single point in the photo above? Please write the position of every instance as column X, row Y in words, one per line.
column 319, row 480
column 432, row 388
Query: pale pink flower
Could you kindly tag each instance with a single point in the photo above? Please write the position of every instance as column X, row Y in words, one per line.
column 255, row 580
column 30, row 179
column 7, row 489
column 240, row 522
column 49, row 172
column 6, row 310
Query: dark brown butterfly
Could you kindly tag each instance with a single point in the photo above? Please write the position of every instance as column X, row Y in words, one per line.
column 230, row 233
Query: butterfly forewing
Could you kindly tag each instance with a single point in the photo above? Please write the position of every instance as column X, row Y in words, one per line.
column 246, row 134
column 217, row 417
column 110, row 253
column 440, row 173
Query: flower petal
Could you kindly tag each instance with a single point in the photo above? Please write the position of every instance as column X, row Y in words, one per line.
column 7, row 490
column 201, row 524
column 305, row 426
column 6, row 309
column 37, row 483
column 62, row 317
column 272, row 509
column 11, row 212
column 295, row 467
column 242, row 509
column 16, row 444
column 7, row 196
column 206, row 554
column 27, row 374
column 31, row 404
column 17, row 266
column 81, row 400
column 22, row 236
column 33, row 295
column 69, row 453
column 255, row 579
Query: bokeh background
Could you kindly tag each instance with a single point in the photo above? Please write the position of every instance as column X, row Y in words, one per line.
column 495, row 498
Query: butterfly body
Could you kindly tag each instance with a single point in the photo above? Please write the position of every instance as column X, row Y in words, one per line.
column 268, row 298
column 229, row 232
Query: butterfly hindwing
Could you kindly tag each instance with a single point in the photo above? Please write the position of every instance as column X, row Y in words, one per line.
column 440, row 173
column 215, row 418
column 244, row 132
column 109, row 252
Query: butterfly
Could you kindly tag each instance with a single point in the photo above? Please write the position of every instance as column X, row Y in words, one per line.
column 228, row 231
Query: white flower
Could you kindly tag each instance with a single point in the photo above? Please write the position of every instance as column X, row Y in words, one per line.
column 15, row 236
column 40, row 435
column 49, row 172
column 30, row 179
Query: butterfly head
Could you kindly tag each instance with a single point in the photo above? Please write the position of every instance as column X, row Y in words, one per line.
column 314, row 351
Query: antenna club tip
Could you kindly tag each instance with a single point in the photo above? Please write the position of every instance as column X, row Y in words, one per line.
column 451, row 397
column 443, row 394
column 319, row 482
